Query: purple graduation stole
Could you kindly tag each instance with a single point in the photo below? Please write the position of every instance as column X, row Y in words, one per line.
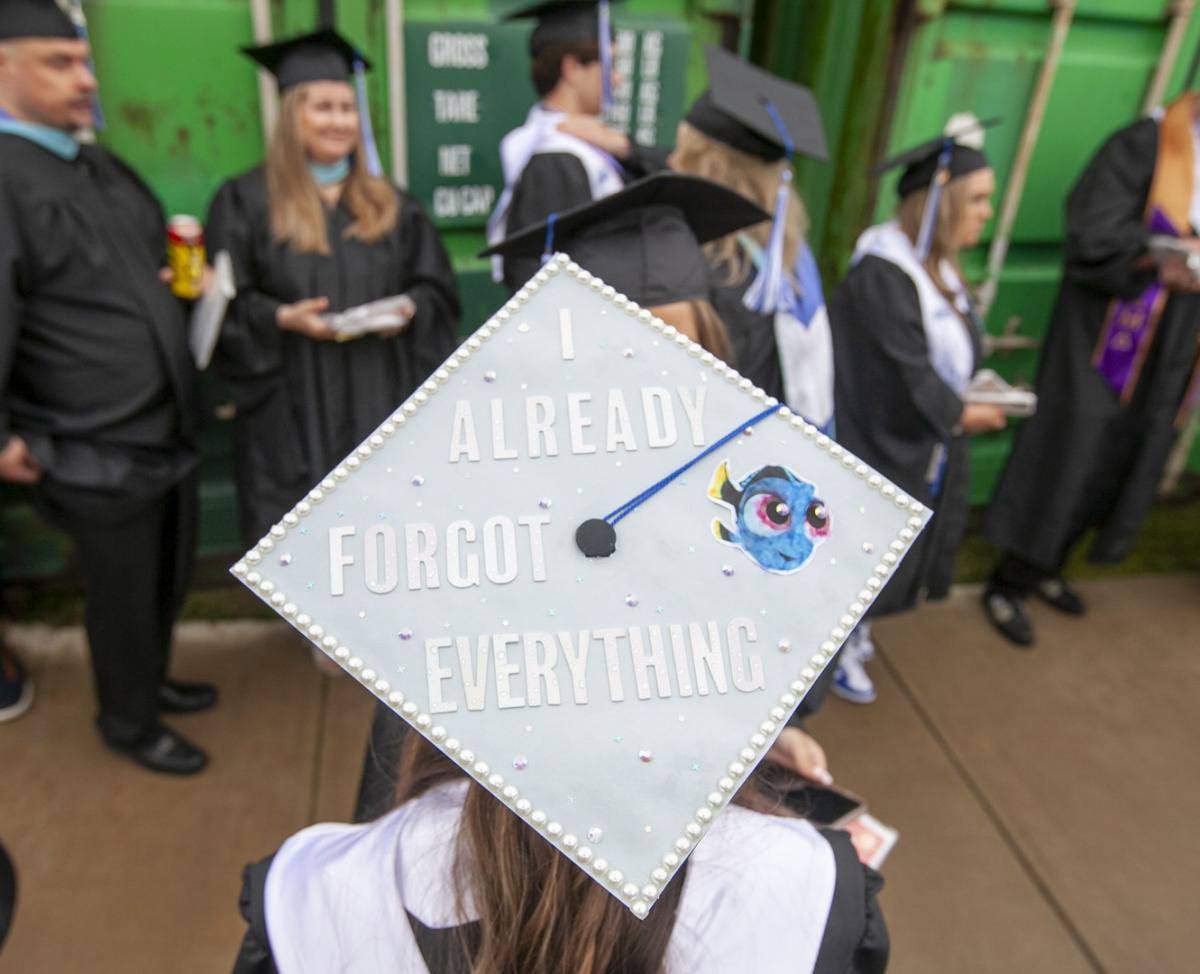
column 1130, row 325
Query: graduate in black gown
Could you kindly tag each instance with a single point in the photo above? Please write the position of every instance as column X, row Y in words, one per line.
column 311, row 232
column 99, row 402
column 563, row 155
column 906, row 341
column 1118, row 373
column 780, row 334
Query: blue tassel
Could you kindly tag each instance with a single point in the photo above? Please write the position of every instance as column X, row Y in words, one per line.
column 364, row 120
column 772, row 291
column 548, row 249
column 934, row 202
column 606, row 59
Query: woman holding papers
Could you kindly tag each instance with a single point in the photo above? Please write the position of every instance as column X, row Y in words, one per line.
column 313, row 232
column 906, row 341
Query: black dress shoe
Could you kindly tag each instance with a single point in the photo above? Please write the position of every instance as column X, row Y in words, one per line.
column 1007, row 614
column 164, row 751
column 176, row 697
column 1054, row 592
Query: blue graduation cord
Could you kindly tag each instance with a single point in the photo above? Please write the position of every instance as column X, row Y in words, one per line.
column 929, row 217
column 548, row 249
column 631, row 505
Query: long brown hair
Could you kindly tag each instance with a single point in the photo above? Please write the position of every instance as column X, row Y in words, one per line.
column 701, row 155
column 297, row 211
column 942, row 247
column 540, row 913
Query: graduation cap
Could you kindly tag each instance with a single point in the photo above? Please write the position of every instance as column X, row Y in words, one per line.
column 615, row 705
column 323, row 55
column 755, row 112
column 957, row 152
column 644, row 240
column 566, row 22
column 25, row 19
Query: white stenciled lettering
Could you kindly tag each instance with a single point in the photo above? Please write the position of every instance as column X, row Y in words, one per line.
column 420, row 543
column 566, row 334
column 338, row 559
column 463, row 441
column 537, row 555
column 737, row 660
column 436, row 675
column 539, row 425
column 500, row 449
column 541, row 656
column 454, row 160
column 660, row 417
column 706, row 658
column 454, row 49
column 679, row 654
column 578, row 422
column 620, row 430
column 612, row 661
column 380, row 565
column 576, row 656
column 500, row 550
column 455, row 106
column 693, row 408
column 505, row 671
column 463, row 201
column 655, row 660
column 474, row 673
column 461, row 574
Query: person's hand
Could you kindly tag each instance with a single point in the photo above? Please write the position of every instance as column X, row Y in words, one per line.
column 304, row 318
column 799, row 752
column 17, row 464
column 590, row 129
column 1177, row 276
column 978, row 417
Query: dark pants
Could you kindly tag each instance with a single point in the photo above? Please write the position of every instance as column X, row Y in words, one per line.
column 136, row 571
column 1016, row 577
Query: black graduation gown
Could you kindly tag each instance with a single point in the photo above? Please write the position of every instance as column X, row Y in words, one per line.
column 895, row 412
column 1084, row 460
column 751, row 333
column 855, row 941
column 555, row 181
column 94, row 363
column 303, row 405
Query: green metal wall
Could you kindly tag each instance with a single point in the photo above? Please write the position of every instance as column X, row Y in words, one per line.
column 888, row 73
column 183, row 108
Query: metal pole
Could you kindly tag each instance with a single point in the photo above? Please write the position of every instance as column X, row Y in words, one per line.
column 397, row 110
column 268, row 92
column 1064, row 11
column 1181, row 13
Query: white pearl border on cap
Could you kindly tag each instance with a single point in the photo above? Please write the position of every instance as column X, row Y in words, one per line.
column 639, row 896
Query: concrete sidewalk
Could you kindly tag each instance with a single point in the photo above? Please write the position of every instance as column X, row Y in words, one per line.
column 1046, row 800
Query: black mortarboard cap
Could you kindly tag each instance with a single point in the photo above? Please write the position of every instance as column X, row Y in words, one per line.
column 20, row 19
column 921, row 161
column 558, row 21
column 321, row 56
column 734, row 110
column 645, row 240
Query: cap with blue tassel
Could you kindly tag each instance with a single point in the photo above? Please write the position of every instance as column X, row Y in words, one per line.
column 323, row 55
column 934, row 163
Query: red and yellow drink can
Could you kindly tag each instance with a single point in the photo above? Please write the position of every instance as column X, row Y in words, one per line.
column 185, row 256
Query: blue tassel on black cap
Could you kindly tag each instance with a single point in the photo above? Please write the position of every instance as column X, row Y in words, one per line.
column 934, row 202
column 606, row 58
column 773, row 290
column 374, row 167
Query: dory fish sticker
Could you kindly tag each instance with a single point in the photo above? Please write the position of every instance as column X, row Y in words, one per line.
column 778, row 519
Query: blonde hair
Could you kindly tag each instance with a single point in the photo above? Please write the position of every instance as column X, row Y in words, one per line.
column 943, row 246
column 538, row 912
column 297, row 211
column 754, row 178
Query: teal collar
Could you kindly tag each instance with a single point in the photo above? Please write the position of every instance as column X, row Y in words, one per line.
column 62, row 144
column 331, row 173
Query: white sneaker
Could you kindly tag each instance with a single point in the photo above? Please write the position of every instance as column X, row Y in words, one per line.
column 851, row 682
column 865, row 645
